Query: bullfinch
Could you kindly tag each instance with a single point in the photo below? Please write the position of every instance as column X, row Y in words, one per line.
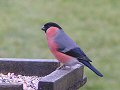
column 64, row 48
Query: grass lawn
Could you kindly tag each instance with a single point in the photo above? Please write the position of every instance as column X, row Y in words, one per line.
column 93, row 24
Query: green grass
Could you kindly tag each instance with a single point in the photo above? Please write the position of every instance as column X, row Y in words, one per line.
column 93, row 24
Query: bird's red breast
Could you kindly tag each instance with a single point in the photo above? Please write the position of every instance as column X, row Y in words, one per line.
column 51, row 34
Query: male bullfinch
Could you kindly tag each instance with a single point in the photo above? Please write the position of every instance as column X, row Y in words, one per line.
column 64, row 48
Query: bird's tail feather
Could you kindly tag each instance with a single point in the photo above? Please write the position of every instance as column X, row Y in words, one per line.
column 90, row 66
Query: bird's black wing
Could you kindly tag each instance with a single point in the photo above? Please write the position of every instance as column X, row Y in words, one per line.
column 77, row 53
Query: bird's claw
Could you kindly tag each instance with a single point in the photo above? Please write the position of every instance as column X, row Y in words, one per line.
column 63, row 67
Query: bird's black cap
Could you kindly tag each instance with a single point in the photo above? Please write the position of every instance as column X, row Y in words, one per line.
column 50, row 24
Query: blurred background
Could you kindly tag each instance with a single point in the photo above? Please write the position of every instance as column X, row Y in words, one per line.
column 93, row 24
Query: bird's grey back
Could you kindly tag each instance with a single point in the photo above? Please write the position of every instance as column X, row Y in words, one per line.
column 64, row 41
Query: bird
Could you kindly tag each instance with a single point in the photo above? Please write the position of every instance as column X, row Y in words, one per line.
column 64, row 48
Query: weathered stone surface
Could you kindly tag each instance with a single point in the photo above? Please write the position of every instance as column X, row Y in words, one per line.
column 68, row 79
column 11, row 86
column 31, row 67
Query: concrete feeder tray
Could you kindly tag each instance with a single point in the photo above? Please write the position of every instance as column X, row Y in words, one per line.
column 52, row 79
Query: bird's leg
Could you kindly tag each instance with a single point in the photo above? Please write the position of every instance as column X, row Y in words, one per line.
column 61, row 66
column 64, row 67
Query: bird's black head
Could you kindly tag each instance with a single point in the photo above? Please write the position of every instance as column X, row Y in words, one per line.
column 50, row 24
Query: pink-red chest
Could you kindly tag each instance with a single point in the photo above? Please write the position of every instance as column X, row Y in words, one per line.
column 51, row 34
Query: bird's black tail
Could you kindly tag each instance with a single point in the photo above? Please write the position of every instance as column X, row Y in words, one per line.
column 90, row 66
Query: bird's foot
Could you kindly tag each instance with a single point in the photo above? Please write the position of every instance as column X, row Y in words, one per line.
column 61, row 67
column 64, row 67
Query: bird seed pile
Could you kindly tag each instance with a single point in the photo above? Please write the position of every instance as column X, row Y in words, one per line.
column 29, row 82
